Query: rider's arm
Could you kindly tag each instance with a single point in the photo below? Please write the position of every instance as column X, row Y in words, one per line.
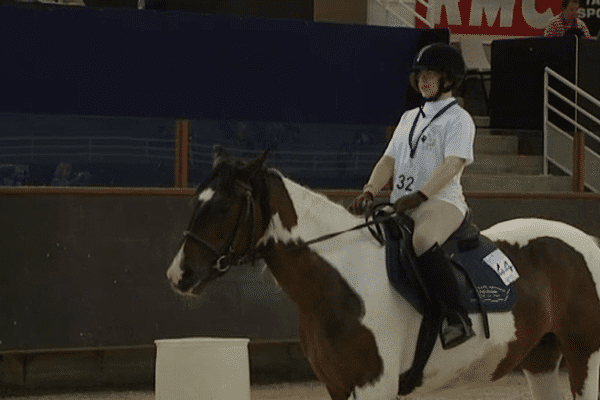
column 382, row 172
column 443, row 175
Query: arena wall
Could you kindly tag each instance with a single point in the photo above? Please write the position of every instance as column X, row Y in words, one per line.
column 86, row 269
column 84, row 293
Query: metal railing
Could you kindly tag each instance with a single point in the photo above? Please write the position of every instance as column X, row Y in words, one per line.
column 410, row 7
column 299, row 163
column 90, row 149
column 566, row 151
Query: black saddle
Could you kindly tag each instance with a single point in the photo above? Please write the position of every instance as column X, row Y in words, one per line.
column 481, row 285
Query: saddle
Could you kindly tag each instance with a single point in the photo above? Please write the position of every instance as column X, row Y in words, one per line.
column 472, row 256
column 482, row 287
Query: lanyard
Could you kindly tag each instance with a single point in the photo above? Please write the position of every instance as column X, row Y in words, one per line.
column 413, row 150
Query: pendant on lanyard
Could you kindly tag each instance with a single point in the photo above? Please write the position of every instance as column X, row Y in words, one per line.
column 413, row 150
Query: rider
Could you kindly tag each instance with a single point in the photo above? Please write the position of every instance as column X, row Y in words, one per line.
column 427, row 154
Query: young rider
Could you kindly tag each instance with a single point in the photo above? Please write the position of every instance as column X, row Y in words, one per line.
column 430, row 148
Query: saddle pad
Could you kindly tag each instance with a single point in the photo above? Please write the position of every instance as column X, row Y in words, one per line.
column 495, row 295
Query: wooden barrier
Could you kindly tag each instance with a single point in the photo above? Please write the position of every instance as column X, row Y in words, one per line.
column 83, row 282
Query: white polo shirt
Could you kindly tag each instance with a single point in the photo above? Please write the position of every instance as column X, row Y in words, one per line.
column 451, row 134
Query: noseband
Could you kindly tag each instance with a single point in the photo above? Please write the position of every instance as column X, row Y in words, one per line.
column 224, row 259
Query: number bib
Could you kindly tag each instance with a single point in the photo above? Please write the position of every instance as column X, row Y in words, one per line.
column 502, row 265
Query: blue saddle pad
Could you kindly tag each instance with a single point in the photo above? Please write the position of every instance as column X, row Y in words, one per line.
column 495, row 296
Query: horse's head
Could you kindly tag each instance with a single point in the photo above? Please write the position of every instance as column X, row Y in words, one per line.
column 228, row 219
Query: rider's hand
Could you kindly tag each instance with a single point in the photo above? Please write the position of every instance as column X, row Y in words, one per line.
column 409, row 201
column 361, row 203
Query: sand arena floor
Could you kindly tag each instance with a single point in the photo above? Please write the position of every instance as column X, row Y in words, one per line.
column 513, row 387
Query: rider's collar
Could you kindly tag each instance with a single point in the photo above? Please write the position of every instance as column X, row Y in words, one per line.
column 430, row 108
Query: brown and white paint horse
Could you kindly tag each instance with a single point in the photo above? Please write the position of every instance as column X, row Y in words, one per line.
column 357, row 332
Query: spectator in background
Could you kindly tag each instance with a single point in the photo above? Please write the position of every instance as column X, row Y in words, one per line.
column 63, row 173
column 567, row 22
column 13, row 175
column 7, row 174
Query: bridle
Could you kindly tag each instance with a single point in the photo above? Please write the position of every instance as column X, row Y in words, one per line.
column 225, row 258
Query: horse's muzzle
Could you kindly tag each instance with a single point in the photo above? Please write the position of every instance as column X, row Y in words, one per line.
column 180, row 275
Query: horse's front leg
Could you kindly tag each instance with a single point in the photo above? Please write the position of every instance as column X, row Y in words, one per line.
column 316, row 350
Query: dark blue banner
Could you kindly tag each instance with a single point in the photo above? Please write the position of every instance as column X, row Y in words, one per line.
column 144, row 63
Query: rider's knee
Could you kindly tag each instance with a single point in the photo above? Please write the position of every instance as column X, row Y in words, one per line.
column 421, row 243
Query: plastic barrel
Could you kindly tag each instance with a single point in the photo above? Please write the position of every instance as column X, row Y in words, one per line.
column 202, row 368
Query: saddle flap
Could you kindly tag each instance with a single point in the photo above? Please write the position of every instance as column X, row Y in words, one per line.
column 465, row 248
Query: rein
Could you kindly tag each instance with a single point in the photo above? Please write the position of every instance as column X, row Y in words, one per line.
column 224, row 259
column 377, row 220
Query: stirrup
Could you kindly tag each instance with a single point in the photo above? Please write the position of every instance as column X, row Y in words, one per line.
column 453, row 335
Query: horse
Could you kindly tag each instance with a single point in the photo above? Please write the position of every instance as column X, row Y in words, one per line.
column 358, row 333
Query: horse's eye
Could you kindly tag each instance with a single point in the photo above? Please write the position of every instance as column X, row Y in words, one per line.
column 223, row 209
column 218, row 208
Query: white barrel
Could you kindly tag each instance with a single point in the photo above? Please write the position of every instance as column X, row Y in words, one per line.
column 202, row 368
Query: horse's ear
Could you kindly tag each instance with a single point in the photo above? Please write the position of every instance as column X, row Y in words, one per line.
column 219, row 155
column 255, row 165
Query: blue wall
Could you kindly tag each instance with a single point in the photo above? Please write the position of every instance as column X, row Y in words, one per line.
column 154, row 64
column 294, row 85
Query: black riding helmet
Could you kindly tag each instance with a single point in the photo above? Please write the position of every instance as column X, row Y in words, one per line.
column 442, row 58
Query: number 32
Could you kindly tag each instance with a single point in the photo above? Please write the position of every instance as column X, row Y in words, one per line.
column 405, row 183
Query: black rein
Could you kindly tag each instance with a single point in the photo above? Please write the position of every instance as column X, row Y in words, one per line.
column 224, row 259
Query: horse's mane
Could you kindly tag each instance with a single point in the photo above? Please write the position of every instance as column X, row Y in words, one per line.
column 316, row 200
column 223, row 175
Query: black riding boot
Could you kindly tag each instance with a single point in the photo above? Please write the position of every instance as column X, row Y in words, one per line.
column 444, row 290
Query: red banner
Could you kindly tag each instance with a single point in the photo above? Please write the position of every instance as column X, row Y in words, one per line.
column 494, row 17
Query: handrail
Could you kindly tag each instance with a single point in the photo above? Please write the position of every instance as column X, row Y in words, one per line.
column 572, row 86
column 402, row 3
column 570, row 153
column 317, row 162
column 87, row 147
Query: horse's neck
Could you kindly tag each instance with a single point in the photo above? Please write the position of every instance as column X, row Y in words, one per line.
column 317, row 215
column 313, row 284
column 312, row 277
